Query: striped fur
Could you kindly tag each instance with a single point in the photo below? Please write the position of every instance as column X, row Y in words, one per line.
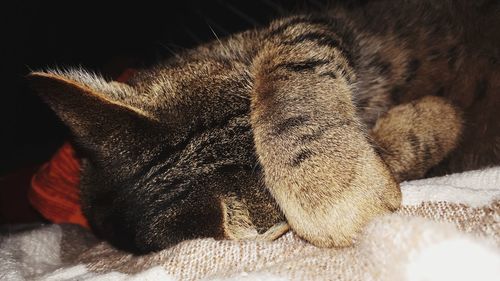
column 312, row 120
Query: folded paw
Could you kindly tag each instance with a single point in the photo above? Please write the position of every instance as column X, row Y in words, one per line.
column 330, row 213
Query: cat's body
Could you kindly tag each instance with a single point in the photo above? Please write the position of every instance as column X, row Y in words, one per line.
column 315, row 117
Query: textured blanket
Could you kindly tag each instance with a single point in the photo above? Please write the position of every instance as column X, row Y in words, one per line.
column 447, row 229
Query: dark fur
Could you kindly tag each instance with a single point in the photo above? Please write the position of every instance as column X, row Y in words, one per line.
column 312, row 119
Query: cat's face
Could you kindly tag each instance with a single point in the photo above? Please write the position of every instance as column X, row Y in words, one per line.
column 171, row 143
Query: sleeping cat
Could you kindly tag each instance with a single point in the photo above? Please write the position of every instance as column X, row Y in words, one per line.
column 308, row 123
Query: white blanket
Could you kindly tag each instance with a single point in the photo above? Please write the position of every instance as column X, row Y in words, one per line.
column 447, row 229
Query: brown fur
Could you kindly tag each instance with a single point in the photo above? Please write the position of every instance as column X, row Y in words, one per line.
column 319, row 115
column 416, row 136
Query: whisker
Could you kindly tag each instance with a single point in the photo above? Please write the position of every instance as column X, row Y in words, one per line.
column 211, row 23
column 170, row 50
column 176, row 46
column 218, row 39
column 242, row 15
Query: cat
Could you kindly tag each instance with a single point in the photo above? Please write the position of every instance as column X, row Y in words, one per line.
column 309, row 123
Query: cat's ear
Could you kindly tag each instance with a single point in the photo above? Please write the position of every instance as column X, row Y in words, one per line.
column 88, row 104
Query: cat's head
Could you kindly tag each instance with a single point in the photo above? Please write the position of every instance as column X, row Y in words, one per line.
column 158, row 153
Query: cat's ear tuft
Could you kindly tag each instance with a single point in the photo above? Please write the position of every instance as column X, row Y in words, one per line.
column 86, row 102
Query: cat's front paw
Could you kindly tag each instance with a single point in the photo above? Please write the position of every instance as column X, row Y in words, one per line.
column 333, row 219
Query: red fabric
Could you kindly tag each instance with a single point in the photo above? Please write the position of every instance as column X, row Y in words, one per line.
column 54, row 187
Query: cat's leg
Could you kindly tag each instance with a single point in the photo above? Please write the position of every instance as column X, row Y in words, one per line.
column 318, row 164
column 416, row 136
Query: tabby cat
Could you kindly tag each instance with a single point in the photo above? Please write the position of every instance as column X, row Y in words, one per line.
column 308, row 123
